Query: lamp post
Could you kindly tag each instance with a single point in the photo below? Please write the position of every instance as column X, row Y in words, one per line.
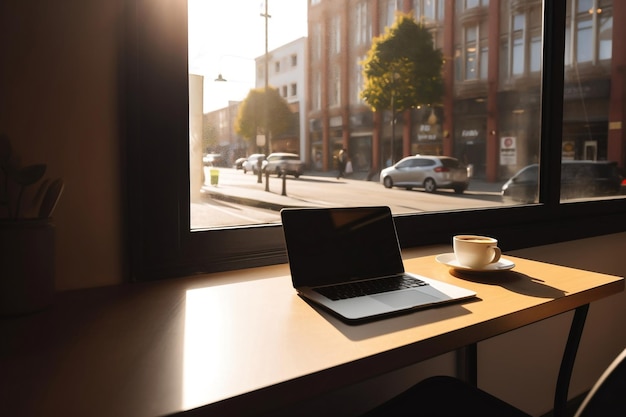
column 394, row 77
column 266, row 16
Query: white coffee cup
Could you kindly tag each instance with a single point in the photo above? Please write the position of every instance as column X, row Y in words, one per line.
column 475, row 251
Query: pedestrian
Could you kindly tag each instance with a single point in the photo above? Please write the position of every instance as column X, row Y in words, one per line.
column 342, row 158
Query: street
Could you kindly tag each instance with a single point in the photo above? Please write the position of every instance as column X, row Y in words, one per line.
column 238, row 199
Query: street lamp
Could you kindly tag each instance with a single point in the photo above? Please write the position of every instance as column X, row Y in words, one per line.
column 394, row 77
column 266, row 16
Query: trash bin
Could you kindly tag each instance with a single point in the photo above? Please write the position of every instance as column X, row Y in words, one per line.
column 215, row 174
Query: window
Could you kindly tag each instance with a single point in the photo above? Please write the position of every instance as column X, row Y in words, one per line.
column 334, row 86
column 294, row 89
column 428, row 11
column 593, row 23
column 389, row 9
column 162, row 244
column 518, row 44
column 363, row 25
column 294, row 60
column 335, row 35
column 471, row 61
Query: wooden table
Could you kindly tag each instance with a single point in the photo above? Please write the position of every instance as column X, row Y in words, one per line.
column 242, row 342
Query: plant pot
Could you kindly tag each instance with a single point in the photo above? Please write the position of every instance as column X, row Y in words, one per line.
column 27, row 252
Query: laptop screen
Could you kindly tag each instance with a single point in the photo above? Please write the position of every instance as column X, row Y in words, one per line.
column 331, row 245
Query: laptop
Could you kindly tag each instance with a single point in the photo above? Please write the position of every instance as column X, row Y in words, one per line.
column 348, row 261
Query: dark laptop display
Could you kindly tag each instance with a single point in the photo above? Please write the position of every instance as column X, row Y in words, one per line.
column 331, row 246
column 356, row 246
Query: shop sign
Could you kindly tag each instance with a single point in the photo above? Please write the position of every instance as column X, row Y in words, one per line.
column 426, row 133
column 469, row 133
column 508, row 150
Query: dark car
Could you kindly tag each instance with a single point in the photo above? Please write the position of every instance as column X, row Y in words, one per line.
column 579, row 179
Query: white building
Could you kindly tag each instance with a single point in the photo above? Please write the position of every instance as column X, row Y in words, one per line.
column 287, row 72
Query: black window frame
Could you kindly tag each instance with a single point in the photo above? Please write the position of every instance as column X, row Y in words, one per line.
column 154, row 120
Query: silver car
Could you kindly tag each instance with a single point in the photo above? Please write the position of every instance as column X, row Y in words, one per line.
column 429, row 172
column 252, row 163
column 283, row 162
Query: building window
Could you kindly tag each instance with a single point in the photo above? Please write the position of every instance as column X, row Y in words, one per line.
column 335, row 35
column 316, row 41
column 357, row 85
column 471, row 61
column 316, row 93
column 535, row 54
column 484, row 62
column 334, row 88
column 593, row 23
column 294, row 89
column 363, row 24
column 389, row 9
column 277, row 67
column 429, row 10
column 519, row 23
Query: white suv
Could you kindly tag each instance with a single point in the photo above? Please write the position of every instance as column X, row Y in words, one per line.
column 429, row 172
column 282, row 162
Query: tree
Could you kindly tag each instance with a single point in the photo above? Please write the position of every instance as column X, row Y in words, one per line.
column 255, row 108
column 402, row 69
column 209, row 135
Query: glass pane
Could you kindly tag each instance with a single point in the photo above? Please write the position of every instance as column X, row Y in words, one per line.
column 487, row 118
column 592, row 145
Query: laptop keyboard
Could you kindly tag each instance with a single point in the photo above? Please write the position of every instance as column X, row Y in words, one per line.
column 369, row 287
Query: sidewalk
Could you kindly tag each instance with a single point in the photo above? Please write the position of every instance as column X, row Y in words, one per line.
column 255, row 195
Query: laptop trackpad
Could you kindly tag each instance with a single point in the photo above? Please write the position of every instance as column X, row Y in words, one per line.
column 405, row 299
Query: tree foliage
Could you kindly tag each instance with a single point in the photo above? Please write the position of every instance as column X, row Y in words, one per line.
column 403, row 65
column 256, row 106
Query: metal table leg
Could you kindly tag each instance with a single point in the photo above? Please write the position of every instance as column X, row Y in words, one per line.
column 467, row 364
column 567, row 363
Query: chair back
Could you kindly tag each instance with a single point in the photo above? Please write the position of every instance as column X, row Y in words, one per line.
column 608, row 395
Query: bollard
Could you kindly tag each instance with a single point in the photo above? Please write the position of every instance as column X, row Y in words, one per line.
column 284, row 175
column 267, row 180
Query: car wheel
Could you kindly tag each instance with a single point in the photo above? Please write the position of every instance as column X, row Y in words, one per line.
column 430, row 186
column 388, row 182
column 245, row 171
column 459, row 189
column 296, row 175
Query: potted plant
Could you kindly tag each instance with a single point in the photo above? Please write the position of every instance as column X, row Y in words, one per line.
column 27, row 235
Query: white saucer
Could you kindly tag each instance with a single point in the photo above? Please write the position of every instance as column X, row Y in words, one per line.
column 449, row 259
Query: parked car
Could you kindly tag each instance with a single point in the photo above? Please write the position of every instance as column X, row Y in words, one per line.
column 239, row 163
column 429, row 172
column 252, row 163
column 283, row 162
column 579, row 179
column 212, row 159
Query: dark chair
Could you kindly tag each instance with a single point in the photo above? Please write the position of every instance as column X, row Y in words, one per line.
column 448, row 396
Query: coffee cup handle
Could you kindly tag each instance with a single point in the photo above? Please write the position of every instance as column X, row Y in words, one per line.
column 496, row 254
